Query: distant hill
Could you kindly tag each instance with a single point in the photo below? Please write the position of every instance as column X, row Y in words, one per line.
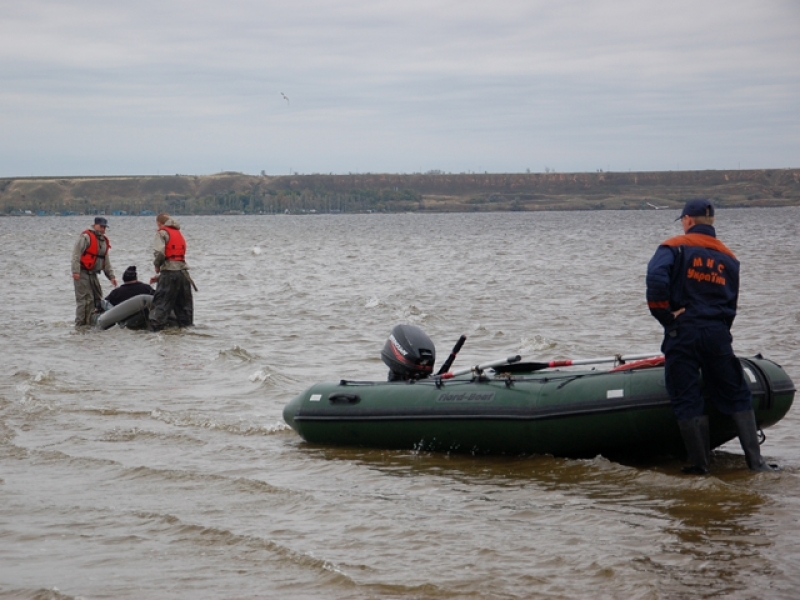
column 237, row 193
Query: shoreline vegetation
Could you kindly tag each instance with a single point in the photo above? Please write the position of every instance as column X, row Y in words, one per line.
column 432, row 192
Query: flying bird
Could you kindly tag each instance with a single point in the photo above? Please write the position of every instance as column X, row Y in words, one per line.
column 285, row 98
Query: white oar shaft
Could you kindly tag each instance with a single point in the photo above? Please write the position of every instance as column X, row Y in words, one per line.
column 483, row 367
column 602, row 359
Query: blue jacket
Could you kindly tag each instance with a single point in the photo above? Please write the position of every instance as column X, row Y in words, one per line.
column 696, row 272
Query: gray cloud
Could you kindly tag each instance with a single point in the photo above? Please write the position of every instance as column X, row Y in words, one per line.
column 194, row 87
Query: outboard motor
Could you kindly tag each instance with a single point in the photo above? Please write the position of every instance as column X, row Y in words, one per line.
column 409, row 353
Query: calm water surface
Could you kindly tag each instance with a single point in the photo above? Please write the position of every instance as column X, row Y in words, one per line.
column 139, row 465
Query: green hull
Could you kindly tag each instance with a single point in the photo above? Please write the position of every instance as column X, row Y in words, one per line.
column 559, row 412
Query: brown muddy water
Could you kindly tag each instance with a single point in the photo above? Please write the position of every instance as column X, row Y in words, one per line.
column 139, row 465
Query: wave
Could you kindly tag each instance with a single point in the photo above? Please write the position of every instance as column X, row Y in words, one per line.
column 237, row 353
column 38, row 594
column 205, row 421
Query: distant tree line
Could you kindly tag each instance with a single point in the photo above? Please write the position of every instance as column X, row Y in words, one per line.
column 294, row 201
column 238, row 193
column 257, row 201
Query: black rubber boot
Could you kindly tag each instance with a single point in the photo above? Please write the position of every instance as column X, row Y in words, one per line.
column 698, row 447
column 748, row 438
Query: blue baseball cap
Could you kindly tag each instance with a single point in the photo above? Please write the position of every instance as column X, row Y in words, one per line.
column 699, row 207
column 101, row 221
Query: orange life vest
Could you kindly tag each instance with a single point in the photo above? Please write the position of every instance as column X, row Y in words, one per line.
column 175, row 248
column 91, row 254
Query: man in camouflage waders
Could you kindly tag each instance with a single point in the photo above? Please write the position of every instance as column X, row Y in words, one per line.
column 174, row 290
column 89, row 257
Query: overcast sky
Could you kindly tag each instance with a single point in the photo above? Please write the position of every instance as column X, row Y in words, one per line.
column 397, row 86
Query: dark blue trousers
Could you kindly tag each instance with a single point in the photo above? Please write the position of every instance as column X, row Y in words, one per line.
column 690, row 349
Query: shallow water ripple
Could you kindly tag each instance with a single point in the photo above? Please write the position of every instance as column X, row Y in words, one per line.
column 158, row 465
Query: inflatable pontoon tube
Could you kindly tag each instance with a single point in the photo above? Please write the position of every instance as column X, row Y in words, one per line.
column 124, row 310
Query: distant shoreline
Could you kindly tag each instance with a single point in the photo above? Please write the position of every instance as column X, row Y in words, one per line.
column 433, row 192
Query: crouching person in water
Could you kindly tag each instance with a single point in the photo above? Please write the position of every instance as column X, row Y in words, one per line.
column 174, row 289
column 692, row 289
column 130, row 288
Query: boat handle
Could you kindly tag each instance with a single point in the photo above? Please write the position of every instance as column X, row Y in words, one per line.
column 344, row 399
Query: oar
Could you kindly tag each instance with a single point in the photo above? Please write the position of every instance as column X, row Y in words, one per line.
column 538, row 366
column 483, row 367
column 449, row 362
column 602, row 359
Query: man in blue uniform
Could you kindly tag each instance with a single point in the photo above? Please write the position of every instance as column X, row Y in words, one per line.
column 692, row 289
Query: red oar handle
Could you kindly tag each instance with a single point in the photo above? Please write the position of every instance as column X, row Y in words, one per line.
column 560, row 363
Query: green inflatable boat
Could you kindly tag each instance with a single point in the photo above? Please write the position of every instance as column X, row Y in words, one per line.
column 518, row 408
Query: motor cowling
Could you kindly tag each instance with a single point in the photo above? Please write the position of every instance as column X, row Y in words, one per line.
column 409, row 353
